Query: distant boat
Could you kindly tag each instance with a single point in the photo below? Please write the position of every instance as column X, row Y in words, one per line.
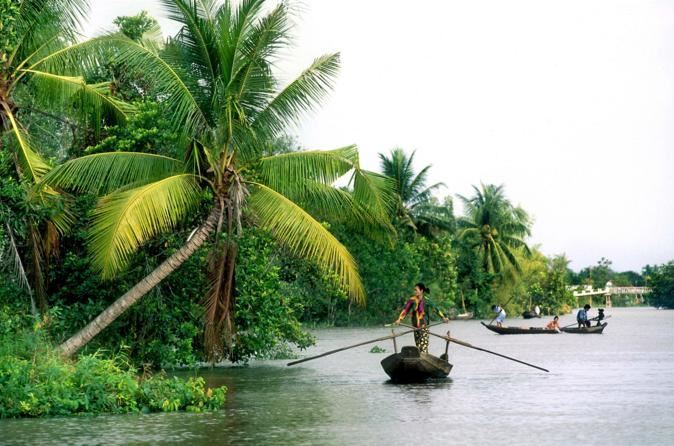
column 466, row 314
column 413, row 366
column 519, row 330
column 597, row 329
column 462, row 316
column 530, row 315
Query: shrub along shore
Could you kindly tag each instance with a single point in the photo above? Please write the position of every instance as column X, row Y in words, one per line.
column 35, row 381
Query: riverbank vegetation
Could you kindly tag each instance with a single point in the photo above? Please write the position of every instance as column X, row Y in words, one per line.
column 155, row 212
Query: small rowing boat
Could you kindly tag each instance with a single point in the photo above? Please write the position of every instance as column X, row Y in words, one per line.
column 519, row 330
column 597, row 329
column 413, row 366
column 530, row 315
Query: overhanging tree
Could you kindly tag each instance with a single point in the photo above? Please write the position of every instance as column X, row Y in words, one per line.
column 217, row 77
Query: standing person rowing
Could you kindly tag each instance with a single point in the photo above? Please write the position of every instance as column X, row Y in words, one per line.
column 417, row 307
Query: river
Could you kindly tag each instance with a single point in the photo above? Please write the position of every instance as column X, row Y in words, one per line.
column 616, row 388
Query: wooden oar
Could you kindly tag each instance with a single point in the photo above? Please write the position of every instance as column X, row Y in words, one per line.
column 465, row 344
column 593, row 319
column 385, row 338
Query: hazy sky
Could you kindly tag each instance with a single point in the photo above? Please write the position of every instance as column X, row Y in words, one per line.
column 568, row 103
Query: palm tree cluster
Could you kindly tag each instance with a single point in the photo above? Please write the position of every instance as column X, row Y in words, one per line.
column 217, row 79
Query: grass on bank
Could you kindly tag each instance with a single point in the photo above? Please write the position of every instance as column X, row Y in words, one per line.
column 36, row 381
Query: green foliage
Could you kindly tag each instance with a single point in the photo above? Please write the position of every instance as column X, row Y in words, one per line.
column 135, row 26
column 148, row 130
column 494, row 227
column 10, row 11
column 389, row 271
column 36, row 381
column 416, row 205
column 266, row 318
column 600, row 274
column 661, row 279
column 377, row 349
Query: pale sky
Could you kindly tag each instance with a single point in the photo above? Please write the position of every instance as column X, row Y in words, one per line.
column 570, row 104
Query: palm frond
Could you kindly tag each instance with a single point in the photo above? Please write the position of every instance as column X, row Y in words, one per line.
column 197, row 33
column 287, row 171
column 32, row 165
column 179, row 98
column 375, row 192
column 91, row 99
column 123, row 221
column 339, row 206
column 305, row 236
column 105, row 172
column 302, row 95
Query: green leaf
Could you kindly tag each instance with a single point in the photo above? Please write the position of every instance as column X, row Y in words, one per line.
column 123, row 221
column 106, row 172
column 305, row 236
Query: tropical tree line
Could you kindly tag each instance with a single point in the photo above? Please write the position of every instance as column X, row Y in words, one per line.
column 152, row 201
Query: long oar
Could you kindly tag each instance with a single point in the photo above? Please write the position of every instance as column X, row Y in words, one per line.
column 593, row 319
column 350, row 346
column 465, row 344
column 385, row 338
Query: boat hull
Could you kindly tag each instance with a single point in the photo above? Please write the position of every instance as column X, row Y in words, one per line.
column 412, row 366
column 530, row 315
column 519, row 330
column 597, row 329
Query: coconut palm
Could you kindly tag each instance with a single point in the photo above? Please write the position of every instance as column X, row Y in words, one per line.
column 494, row 227
column 34, row 34
column 218, row 80
column 416, row 204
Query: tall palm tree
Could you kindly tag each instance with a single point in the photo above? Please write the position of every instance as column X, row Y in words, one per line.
column 217, row 78
column 494, row 227
column 416, row 204
column 34, row 34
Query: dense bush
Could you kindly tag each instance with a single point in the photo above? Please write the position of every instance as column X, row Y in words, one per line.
column 36, row 381
column 661, row 279
column 389, row 272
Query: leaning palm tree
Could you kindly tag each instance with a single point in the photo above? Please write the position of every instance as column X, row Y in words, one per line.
column 494, row 227
column 34, row 34
column 218, row 80
column 416, row 204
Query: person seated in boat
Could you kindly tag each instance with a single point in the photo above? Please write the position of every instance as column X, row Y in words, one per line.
column 554, row 324
column 500, row 314
column 537, row 310
column 416, row 306
column 600, row 316
column 582, row 317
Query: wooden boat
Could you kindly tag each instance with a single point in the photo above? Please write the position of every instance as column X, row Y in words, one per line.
column 462, row 316
column 530, row 315
column 519, row 330
column 586, row 330
column 413, row 366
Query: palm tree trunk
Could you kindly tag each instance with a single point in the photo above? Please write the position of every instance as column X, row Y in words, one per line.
column 118, row 307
